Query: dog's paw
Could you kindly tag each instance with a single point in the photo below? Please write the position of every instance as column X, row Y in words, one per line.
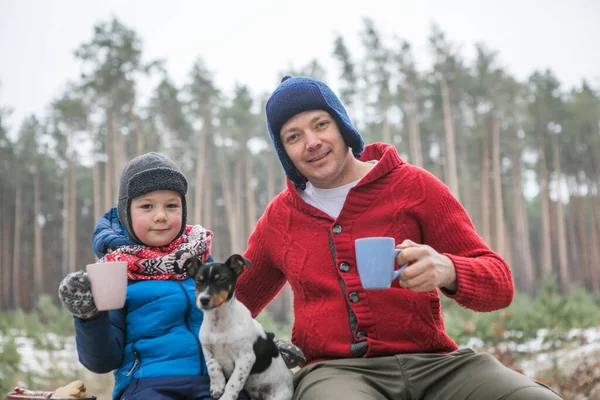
column 291, row 354
column 229, row 396
column 217, row 391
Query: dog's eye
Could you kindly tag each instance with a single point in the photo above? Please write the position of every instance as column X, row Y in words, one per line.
column 222, row 280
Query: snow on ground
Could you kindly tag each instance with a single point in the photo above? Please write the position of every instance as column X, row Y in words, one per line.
column 535, row 355
column 59, row 365
column 35, row 360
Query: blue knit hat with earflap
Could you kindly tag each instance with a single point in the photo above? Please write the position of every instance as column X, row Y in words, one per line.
column 298, row 94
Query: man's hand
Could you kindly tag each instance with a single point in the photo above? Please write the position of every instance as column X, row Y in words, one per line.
column 427, row 269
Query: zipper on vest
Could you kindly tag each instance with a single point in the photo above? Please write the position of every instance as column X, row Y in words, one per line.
column 137, row 361
column 188, row 311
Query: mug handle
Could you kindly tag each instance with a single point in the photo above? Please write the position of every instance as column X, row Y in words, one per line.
column 399, row 271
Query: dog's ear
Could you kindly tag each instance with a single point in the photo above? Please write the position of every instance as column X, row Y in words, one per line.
column 237, row 263
column 192, row 265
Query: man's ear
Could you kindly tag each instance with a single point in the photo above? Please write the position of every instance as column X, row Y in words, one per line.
column 237, row 263
column 192, row 265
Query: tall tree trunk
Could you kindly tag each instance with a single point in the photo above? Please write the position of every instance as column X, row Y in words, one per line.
column 65, row 219
column 230, row 208
column 546, row 259
column 508, row 253
column 596, row 213
column 595, row 249
column 207, row 200
column 565, row 280
column 4, row 270
column 170, row 146
column 5, row 256
column 486, row 230
column 385, row 106
column 414, row 134
column 3, row 267
column 579, row 207
column 118, row 153
column 26, row 279
column 238, row 201
column 466, row 178
column 438, row 166
column 73, row 220
column 450, row 146
column 109, row 165
column 96, row 191
column 573, row 244
column 498, row 203
column 250, row 198
column 271, row 178
column 38, row 272
column 527, row 244
column 200, row 174
column 139, row 135
column 16, row 284
column 522, row 242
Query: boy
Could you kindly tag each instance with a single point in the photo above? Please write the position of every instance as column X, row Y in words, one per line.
column 152, row 343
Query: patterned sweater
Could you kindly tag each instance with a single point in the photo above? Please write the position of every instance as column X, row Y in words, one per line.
column 334, row 317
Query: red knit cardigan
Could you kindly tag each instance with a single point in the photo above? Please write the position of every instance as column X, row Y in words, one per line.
column 296, row 242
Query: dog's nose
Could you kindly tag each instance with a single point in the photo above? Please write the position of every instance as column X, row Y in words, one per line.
column 204, row 300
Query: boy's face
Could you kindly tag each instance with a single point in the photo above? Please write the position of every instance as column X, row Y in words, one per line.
column 156, row 217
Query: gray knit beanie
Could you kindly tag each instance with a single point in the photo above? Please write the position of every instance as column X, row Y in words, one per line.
column 144, row 174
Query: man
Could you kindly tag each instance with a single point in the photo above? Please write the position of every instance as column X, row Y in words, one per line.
column 376, row 344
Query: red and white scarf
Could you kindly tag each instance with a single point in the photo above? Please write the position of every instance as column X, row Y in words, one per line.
column 162, row 263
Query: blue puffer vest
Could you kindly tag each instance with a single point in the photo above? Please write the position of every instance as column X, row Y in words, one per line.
column 161, row 337
column 162, row 321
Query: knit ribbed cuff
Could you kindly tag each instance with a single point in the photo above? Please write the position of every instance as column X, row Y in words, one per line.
column 477, row 290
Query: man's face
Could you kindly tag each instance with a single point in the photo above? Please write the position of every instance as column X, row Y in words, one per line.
column 314, row 144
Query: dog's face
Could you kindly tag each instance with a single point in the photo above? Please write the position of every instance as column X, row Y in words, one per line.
column 215, row 282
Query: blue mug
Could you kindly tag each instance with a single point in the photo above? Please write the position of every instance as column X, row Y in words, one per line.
column 376, row 261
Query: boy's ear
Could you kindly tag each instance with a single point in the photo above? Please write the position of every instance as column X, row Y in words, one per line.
column 237, row 263
column 192, row 265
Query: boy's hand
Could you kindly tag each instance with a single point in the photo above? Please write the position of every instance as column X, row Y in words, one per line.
column 76, row 295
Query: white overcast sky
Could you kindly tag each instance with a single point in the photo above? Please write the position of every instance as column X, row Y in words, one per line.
column 251, row 41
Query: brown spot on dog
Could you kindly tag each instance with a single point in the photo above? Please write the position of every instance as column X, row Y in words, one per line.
column 201, row 278
column 216, row 276
column 219, row 298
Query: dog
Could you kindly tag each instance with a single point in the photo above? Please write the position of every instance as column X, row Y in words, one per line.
column 239, row 353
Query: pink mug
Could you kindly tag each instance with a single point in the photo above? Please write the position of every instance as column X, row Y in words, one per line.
column 109, row 284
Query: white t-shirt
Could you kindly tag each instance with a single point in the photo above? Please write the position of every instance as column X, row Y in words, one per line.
column 330, row 201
